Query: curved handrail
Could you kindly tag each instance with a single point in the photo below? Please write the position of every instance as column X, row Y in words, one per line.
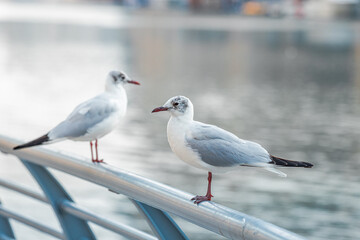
column 209, row 215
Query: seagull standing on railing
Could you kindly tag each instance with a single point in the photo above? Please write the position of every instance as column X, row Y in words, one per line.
column 212, row 148
column 93, row 118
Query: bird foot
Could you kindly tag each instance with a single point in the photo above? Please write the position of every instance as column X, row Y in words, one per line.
column 198, row 199
column 98, row 161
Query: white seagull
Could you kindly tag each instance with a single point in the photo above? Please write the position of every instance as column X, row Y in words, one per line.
column 212, row 148
column 93, row 118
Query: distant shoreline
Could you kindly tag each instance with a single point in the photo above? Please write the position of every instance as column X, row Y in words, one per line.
column 114, row 16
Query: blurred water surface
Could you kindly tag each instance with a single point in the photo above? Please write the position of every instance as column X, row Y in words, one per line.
column 296, row 92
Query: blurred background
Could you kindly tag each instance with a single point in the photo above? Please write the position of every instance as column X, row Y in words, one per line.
column 282, row 73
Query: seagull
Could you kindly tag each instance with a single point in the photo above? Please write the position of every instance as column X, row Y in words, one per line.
column 214, row 149
column 93, row 118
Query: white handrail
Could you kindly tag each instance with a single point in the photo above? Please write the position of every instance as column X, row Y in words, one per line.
column 209, row 215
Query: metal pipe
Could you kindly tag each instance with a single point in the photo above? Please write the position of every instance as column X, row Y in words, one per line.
column 76, row 210
column 32, row 223
column 72, row 227
column 17, row 188
column 124, row 230
column 209, row 215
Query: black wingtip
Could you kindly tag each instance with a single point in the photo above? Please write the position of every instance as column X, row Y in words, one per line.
column 38, row 141
column 308, row 165
column 289, row 163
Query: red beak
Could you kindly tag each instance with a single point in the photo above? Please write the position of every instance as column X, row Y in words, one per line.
column 133, row 82
column 159, row 109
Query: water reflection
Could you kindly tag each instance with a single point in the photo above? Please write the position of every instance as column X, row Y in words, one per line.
column 295, row 92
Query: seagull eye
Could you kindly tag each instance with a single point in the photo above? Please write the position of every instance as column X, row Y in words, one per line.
column 175, row 104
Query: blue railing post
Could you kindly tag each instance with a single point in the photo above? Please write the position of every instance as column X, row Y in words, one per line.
column 6, row 231
column 73, row 227
column 160, row 222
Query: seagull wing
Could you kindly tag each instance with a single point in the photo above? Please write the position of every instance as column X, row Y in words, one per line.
column 84, row 117
column 221, row 148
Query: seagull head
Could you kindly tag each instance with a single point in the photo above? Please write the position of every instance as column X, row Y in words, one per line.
column 177, row 106
column 117, row 78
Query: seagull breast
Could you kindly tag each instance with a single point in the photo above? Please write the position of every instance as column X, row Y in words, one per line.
column 176, row 133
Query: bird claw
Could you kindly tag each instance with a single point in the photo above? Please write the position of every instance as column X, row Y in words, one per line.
column 198, row 199
column 98, row 161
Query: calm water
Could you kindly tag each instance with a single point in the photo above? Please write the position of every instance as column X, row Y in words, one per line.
column 295, row 92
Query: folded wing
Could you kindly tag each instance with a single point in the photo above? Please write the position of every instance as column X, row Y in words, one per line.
column 221, row 148
column 84, row 117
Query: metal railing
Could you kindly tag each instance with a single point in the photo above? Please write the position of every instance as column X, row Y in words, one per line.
column 154, row 200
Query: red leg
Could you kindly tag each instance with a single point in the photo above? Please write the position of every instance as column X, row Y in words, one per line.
column 96, row 151
column 91, row 149
column 198, row 199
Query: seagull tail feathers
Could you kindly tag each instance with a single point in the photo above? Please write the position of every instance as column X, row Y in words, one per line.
column 274, row 170
column 289, row 163
column 39, row 141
